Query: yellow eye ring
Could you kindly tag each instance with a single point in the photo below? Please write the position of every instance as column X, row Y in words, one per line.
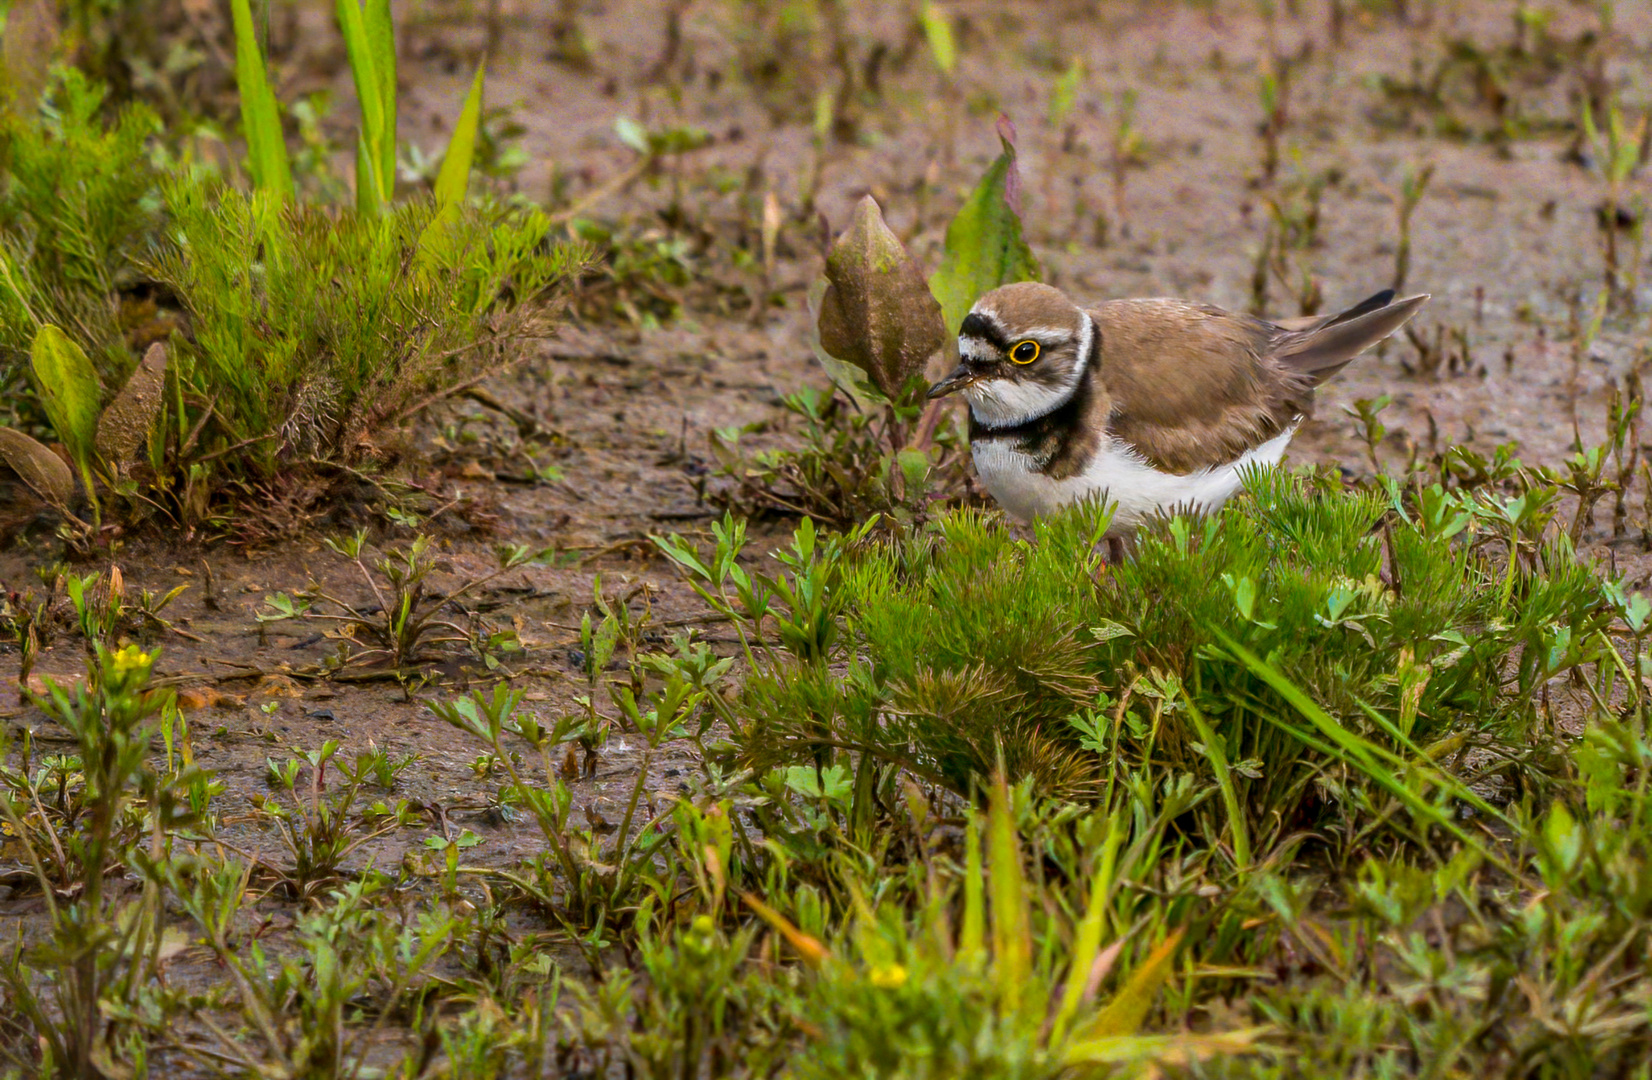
column 1025, row 352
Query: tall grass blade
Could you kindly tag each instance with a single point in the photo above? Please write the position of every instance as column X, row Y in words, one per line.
column 1011, row 927
column 381, row 42
column 352, row 24
column 1217, row 754
column 1352, row 749
column 369, row 194
column 972, row 933
column 1086, row 945
column 260, row 115
column 454, row 179
column 808, row 947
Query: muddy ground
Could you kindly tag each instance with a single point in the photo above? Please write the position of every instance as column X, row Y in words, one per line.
column 1505, row 239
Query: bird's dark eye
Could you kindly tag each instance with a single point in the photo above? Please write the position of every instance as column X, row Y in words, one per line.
column 1025, row 353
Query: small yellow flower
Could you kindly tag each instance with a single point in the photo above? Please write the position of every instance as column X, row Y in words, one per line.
column 888, row 976
column 130, row 658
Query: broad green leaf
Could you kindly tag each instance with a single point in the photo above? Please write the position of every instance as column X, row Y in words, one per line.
column 69, row 393
column 125, row 425
column 1128, row 1010
column 1011, row 925
column 938, row 30
column 984, row 247
column 381, row 41
column 260, row 116
column 41, row 469
column 876, row 312
column 454, row 179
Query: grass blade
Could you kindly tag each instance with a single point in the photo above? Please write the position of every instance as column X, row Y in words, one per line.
column 352, row 24
column 1128, row 1010
column 1086, row 945
column 1352, row 749
column 381, row 42
column 260, row 116
column 1224, row 780
column 808, row 947
column 1011, row 928
column 1179, row 1049
column 369, row 193
column 454, row 179
column 972, row 933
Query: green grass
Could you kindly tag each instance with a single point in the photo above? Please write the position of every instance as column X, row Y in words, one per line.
column 1278, row 796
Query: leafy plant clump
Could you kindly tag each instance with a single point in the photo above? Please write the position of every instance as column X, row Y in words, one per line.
column 304, row 331
column 943, row 652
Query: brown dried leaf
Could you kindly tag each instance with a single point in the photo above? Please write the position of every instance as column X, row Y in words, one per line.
column 878, row 313
column 41, row 469
column 123, row 429
column 207, row 697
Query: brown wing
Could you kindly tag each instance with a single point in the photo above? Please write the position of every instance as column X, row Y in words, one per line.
column 1194, row 387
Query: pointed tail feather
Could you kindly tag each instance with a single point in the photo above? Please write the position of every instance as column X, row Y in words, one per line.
column 1323, row 350
column 1319, row 322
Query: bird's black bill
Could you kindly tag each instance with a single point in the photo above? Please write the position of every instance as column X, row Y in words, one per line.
column 957, row 379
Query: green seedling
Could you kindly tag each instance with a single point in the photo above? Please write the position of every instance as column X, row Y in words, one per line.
column 1619, row 149
column 405, row 624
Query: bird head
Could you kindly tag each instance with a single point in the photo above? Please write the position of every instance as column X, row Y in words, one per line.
column 1022, row 350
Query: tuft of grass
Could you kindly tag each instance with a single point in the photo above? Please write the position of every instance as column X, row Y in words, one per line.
column 309, row 333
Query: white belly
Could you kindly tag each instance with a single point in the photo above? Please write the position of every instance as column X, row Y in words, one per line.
column 1137, row 490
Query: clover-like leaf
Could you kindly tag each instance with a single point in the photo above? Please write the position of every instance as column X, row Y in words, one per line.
column 984, row 247
column 877, row 313
column 41, row 469
column 124, row 427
